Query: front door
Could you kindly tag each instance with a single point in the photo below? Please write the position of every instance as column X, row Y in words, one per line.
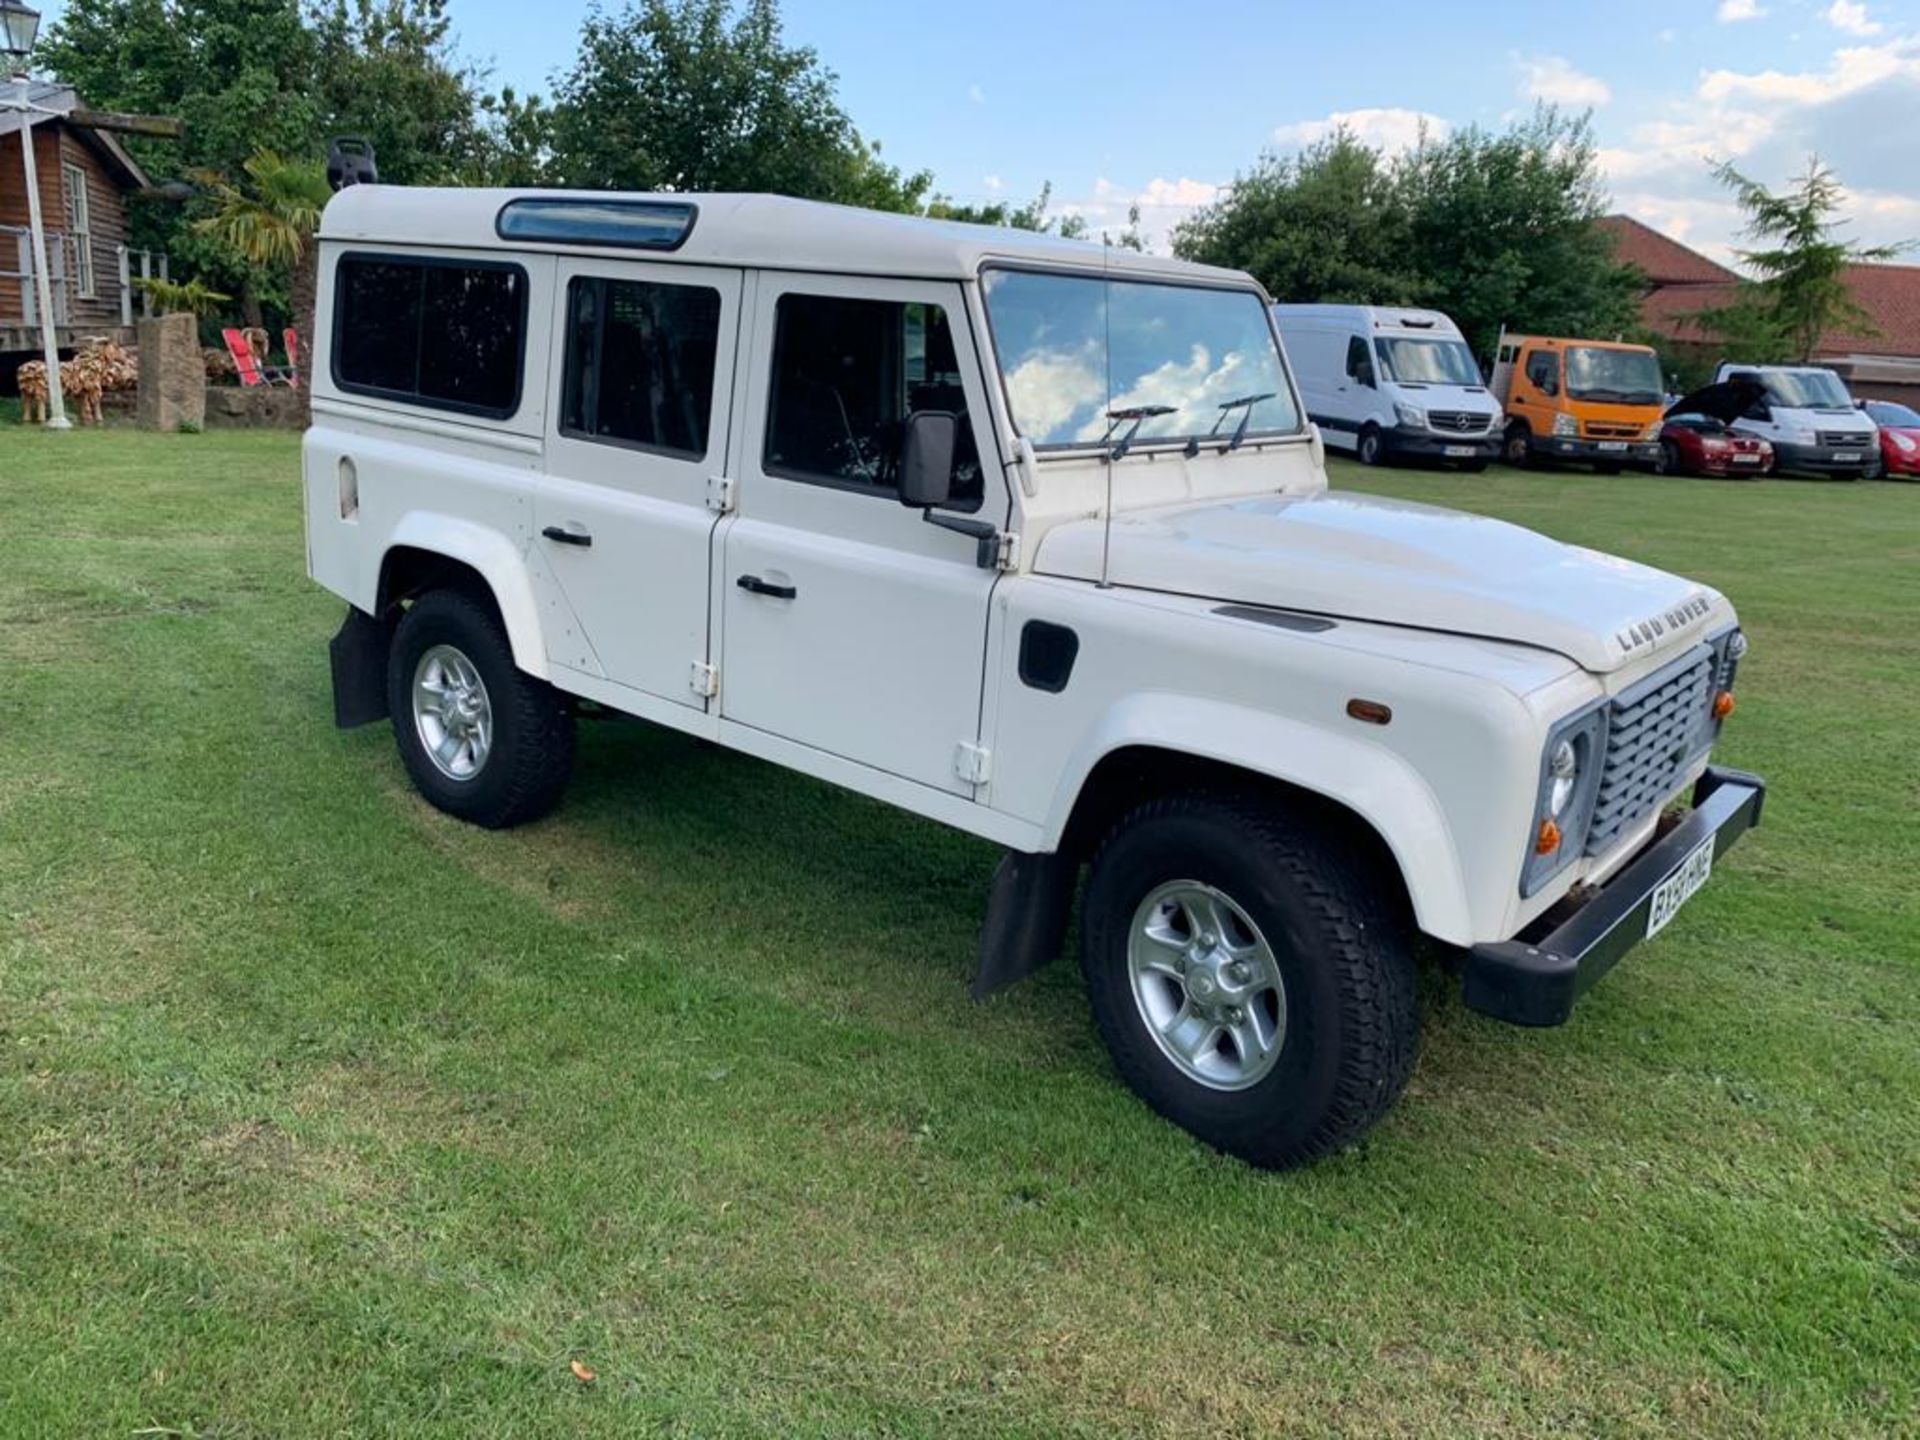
column 637, row 429
column 850, row 625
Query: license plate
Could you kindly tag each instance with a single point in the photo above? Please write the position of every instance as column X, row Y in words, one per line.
column 1845, row 457
column 1460, row 452
column 1613, row 444
column 1681, row 886
column 1746, row 459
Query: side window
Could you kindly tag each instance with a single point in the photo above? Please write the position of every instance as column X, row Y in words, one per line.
column 1359, row 362
column 1543, row 369
column 846, row 374
column 639, row 363
column 445, row 334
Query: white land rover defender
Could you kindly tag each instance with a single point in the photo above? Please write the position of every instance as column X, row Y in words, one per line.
column 1031, row 537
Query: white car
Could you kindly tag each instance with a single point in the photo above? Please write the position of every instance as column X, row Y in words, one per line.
column 1030, row 537
column 1391, row 382
column 1809, row 418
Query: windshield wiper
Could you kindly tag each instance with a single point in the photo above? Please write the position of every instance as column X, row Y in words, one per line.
column 1137, row 414
column 1244, row 404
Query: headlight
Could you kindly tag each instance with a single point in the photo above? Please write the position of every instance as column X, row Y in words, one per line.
column 1411, row 415
column 1563, row 768
column 1569, row 786
column 1565, row 424
column 1652, row 432
column 1906, row 446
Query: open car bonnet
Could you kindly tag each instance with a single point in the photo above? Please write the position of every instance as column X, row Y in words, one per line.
column 1725, row 402
column 1399, row 563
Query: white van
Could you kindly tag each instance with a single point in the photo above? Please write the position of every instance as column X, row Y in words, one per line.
column 1388, row 381
column 1028, row 537
column 1809, row 418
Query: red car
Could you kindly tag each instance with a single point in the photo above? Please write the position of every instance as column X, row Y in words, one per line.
column 1695, row 438
column 1899, row 437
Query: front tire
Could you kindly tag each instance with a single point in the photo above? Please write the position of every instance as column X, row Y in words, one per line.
column 1372, row 449
column 479, row 737
column 1518, row 450
column 1246, row 981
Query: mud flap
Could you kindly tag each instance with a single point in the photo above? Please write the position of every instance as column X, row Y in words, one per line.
column 1027, row 911
column 358, row 652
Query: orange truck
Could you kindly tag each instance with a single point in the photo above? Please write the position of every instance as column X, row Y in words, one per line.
column 1598, row 402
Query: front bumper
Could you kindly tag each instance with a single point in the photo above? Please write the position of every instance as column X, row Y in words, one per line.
column 1822, row 459
column 1536, row 983
column 1604, row 452
column 1437, row 445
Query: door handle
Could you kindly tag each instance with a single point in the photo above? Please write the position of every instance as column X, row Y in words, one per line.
column 567, row 537
column 757, row 586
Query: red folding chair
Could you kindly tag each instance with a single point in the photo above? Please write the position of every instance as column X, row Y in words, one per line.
column 248, row 365
column 290, row 338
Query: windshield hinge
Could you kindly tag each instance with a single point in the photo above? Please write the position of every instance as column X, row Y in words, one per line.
column 704, row 679
column 720, row 494
column 1008, row 555
column 972, row 763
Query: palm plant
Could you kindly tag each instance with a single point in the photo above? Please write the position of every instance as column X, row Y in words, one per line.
column 269, row 220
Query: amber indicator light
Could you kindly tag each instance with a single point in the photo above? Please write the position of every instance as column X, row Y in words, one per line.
column 1370, row 711
column 1723, row 705
column 1548, row 840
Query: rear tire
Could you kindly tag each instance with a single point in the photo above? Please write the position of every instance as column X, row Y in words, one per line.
column 1300, row 945
column 480, row 738
column 1372, row 449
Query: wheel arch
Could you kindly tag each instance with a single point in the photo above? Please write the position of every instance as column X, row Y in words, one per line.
column 428, row 552
column 1364, row 793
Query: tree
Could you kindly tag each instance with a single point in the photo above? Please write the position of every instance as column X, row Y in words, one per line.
column 1031, row 216
column 1492, row 228
column 1327, row 224
column 270, row 223
column 687, row 95
column 1801, row 291
column 1505, row 231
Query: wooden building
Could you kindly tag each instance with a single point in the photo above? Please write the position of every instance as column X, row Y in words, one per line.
column 85, row 177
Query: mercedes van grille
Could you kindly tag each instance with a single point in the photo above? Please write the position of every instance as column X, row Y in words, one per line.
column 1654, row 731
column 1460, row 422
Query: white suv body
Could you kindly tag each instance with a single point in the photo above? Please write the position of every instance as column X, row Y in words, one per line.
column 652, row 452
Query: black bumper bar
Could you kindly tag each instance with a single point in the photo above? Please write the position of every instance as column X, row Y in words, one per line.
column 1536, row 983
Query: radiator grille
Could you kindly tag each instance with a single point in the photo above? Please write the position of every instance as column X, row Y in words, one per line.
column 1460, row 422
column 1613, row 430
column 1654, row 731
column 1843, row 439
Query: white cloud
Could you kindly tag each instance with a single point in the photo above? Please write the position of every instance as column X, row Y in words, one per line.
column 976, row 95
column 1554, row 79
column 993, row 183
column 1667, row 37
column 1163, row 204
column 1390, row 128
column 1733, row 11
column 1768, row 122
column 1851, row 16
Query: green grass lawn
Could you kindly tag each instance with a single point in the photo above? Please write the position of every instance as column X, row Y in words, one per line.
column 322, row 1114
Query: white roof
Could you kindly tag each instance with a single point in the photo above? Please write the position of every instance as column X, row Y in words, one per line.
column 761, row 231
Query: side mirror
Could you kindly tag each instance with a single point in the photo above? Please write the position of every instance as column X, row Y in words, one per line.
column 926, row 458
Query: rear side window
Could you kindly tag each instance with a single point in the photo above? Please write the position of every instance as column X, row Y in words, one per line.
column 447, row 334
column 639, row 365
column 846, row 374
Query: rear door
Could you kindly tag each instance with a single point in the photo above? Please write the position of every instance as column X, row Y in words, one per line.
column 850, row 625
column 637, row 433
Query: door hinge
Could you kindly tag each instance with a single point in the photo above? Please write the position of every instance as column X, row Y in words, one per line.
column 972, row 763
column 1008, row 555
column 704, row 679
column 720, row 493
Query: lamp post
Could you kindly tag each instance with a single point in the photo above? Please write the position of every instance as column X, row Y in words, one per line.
column 19, row 27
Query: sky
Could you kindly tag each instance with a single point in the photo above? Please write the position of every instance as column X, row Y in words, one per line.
column 1161, row 104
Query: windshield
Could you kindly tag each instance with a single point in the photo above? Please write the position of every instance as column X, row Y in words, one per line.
column 1426, row 362
column 1900, row 417
column 1626, row 377
column 1076, row 349
column 1806, row 390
